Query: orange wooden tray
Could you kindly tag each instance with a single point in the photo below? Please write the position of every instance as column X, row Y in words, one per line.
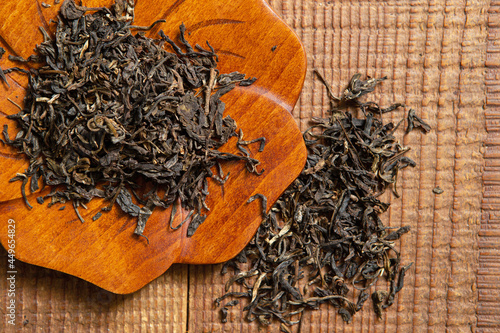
column 249, row 38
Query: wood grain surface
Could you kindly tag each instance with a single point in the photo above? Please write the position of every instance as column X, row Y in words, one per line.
column 107, row 253
column 488, row 275
column 442, row 57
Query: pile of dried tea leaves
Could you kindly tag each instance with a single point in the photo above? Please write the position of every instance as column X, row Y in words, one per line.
column 109, row 110
column 324, row 234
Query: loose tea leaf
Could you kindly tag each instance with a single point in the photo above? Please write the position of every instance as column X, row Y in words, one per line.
column 110, row 112
column 437, row 190
column 263, row 200
column 2, row 73
column 324, row 233
column 415, row 121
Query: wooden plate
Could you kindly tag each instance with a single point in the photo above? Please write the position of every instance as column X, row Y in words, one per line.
column 249, row 38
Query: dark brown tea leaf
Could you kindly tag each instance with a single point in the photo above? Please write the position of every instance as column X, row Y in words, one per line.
column 324, row 233
column 110, row 112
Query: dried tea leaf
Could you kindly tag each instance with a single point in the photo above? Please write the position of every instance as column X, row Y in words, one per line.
column 416, row 122
column 330, row 236
column 110, row 112
column 437, row 190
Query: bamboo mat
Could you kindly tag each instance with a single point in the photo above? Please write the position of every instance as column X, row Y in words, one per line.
column 442, row 58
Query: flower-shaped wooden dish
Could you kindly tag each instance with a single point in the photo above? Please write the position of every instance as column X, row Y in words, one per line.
column 249, row 38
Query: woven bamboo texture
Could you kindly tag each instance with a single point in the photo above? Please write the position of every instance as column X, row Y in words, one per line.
column 442, row 58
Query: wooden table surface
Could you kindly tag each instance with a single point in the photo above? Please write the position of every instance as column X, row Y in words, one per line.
column 442, row 58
